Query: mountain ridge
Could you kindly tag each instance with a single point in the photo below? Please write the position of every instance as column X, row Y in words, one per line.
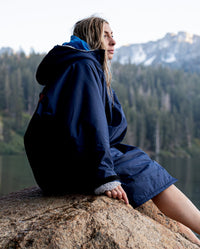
column 175, row 50
column 178, row 50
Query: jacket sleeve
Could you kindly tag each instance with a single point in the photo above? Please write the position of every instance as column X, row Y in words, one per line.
column 85, row 119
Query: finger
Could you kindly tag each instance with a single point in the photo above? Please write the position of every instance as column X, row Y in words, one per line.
column 120, row 188
column 108, row 193
column 114, row 193
column 125, row 198
column 124, row 195
column 119, row 194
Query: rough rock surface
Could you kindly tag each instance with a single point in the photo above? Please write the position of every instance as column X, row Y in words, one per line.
column 29, row 220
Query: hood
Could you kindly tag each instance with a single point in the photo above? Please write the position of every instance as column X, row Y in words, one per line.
column 59, row 58
column 78, row 43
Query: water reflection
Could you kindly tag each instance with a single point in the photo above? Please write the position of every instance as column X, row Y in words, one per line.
column 187, row 171
column 15, row 174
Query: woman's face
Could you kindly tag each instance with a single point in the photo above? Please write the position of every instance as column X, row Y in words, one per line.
column 108, row 40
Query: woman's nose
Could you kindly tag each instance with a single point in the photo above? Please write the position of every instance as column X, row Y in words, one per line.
column 112, row 42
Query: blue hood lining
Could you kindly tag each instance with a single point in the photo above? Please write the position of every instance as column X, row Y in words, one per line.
column 77, row 43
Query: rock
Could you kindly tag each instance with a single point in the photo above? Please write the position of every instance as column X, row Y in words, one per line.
column 30, row 220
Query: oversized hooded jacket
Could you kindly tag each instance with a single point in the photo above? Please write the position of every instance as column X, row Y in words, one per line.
column 73, row 141
column 76, row 122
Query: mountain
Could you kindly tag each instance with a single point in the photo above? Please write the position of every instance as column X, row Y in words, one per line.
column 181, row 51
column 6, row 50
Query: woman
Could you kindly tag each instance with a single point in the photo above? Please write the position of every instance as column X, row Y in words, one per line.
column 73, row 141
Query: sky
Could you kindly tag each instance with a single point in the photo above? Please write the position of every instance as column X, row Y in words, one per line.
column 41, row 24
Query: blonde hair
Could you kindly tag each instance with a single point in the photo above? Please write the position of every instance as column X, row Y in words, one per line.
column 91, row 31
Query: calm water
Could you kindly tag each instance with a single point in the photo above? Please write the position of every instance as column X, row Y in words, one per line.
column 187, row 171
column 15, row 174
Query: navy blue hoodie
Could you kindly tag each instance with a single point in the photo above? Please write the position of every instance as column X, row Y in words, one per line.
column 69, row 138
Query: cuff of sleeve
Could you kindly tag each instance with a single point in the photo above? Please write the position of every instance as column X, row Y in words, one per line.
column 106, row 187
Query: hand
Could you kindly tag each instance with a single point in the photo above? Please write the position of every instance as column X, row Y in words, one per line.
column 119, row 193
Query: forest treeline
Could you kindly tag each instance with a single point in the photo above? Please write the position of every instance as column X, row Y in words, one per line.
column 161, row 105
column 18, row 98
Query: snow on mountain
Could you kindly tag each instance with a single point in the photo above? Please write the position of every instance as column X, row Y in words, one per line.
column 174, row 50
column 6, row 50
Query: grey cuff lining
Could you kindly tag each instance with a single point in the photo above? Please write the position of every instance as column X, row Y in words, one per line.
column 106, row 187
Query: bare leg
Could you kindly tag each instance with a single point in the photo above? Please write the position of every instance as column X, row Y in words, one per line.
column 174, row 204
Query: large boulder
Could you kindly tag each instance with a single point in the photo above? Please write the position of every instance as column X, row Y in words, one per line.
column 30, row 220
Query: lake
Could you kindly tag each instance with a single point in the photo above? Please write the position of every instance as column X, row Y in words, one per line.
column 15, row 174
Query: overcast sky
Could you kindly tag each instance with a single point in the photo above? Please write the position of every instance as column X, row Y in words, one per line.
column 41, row 24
